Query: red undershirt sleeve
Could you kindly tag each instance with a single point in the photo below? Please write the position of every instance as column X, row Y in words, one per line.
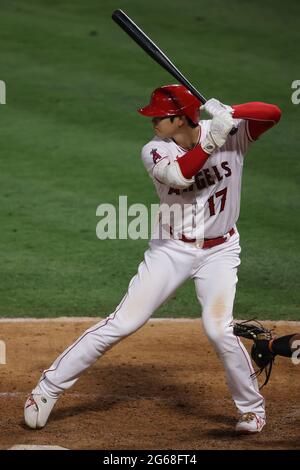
column 260, row 116
column 192, row 161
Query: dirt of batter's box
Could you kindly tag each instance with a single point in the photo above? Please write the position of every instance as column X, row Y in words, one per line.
column 162, row 388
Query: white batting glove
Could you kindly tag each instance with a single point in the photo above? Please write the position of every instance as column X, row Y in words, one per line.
column 214, row 107
column 220, row 127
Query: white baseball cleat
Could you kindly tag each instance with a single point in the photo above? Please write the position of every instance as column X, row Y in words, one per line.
column 37, row 409
column 250, row 423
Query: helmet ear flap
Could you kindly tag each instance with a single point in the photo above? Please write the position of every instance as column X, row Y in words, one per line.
column 195, row 117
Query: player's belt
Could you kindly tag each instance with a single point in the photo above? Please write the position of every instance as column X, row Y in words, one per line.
column 208, row 242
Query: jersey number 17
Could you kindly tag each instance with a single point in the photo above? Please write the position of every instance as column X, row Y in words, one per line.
column 211, row 201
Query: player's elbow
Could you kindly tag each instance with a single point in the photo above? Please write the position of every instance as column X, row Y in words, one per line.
column 169, row 173
column 268, row 112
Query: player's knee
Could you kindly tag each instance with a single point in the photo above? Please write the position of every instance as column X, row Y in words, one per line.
column 127, row 329
column 224, row 344
column 219, row 334
column 109, row 332
column 120, row 328
column 215, row 336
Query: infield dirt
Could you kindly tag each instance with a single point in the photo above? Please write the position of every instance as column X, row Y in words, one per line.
column 162, row 388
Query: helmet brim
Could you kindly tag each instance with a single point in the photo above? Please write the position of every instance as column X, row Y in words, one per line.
column 152, row 111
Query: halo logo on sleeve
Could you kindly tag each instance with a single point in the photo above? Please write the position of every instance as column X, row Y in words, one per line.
column 155, row 156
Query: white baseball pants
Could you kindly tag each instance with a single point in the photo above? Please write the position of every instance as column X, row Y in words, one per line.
column 167, row 264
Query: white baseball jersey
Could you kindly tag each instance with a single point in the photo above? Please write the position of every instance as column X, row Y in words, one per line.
column 214, row 196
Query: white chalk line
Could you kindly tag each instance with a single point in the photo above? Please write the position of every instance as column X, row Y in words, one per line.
column 152, row 320
column 85, row 319
column 103, row 397
column 36, row 447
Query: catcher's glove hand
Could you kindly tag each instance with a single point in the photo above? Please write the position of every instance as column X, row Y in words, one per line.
column 260, row 351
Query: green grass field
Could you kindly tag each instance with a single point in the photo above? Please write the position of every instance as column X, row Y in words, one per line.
column 71, row 139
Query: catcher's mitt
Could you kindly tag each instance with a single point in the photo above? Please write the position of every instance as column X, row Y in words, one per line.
column 260, row 352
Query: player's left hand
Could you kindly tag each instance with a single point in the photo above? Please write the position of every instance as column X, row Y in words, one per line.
column 214, row 107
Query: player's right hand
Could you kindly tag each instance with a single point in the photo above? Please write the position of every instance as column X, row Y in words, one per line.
column 214, row 107
column 220, row 126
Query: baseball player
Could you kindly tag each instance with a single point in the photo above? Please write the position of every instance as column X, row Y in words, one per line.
column 196, row 165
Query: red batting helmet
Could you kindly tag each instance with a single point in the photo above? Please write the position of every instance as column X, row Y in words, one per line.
column 172, row 100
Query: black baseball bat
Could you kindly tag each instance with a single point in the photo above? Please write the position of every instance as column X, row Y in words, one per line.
column 157, row 54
